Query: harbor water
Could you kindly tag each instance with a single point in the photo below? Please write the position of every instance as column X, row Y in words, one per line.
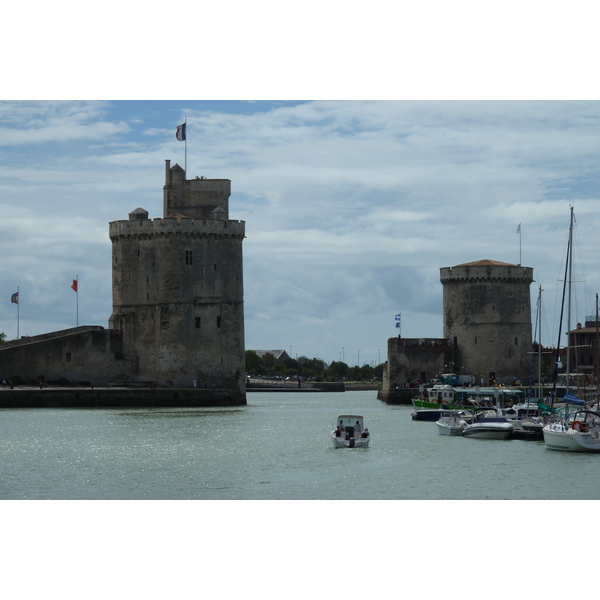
column 275, row 448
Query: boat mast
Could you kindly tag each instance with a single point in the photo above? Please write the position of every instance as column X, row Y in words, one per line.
column 562, row 308
column 540, row 343
column 570, row 260
column 596, row 355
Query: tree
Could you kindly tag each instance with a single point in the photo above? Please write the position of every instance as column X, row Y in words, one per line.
column 2, row 337
column 254, row 362
column 337, row 370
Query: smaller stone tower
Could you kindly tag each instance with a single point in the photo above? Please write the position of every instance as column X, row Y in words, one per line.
column 178, row 289
column 487, row 318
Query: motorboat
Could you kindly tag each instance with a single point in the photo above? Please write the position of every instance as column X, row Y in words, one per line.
column 350, row 432
column 580, row 432
column 451, row 423
column 495, row 428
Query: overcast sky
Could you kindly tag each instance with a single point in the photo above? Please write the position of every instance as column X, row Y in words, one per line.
column 351, row 207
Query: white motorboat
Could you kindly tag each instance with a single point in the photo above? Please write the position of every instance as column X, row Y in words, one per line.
column 496, row 428
column 451, row 423
column 579, row 433
column 350, row 432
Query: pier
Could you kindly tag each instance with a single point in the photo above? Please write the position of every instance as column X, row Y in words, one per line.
column 115, row 397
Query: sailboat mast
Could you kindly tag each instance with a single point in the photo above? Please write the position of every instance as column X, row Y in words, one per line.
column 557, row 362
column 570, row 280
column 596, row 354
column 539, row 307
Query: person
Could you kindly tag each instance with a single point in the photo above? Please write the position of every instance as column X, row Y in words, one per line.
column 357, row 429
column 365, row 433
column 195, row 383
column 338, row 431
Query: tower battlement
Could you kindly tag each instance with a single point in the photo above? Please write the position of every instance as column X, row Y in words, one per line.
column 480, row 272
column 176, row 225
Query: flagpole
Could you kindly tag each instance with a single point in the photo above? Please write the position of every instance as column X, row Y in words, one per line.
column 185, row 147
column 77, row 305
column 18, row 301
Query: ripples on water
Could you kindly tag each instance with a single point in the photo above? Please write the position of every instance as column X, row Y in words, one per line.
column 277, row 447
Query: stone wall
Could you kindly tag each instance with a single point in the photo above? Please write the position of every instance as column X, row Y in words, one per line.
column 414, row 358
column 92, row 354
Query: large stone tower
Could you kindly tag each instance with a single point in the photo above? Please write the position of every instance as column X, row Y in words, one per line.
column 487, row 318
column 178, row 288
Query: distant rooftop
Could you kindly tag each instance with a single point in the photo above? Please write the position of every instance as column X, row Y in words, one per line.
column 486, row 263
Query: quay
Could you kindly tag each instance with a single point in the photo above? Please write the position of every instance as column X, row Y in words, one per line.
column 266, row 385
column 115, row 397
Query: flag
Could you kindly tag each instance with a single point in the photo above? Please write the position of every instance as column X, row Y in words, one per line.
column 15, row 298
column 180, row 132
column 519, row 228
column 74, row 285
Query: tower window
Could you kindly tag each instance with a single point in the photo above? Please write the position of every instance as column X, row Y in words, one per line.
column 197, row 322
column 476, row 340
column 189, row 257
column 138, row 252
column 516, row 341
column 215, row 266
column 219, row 321
column 69, row 357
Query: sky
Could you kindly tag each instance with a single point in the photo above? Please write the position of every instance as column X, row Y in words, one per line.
column 351, row 207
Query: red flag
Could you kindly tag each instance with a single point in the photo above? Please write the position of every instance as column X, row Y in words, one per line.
column 74, row 286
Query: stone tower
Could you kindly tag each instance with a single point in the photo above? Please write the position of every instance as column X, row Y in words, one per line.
column 487, row 318
column 178, row 288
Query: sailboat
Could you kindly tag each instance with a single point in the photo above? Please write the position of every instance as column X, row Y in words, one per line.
column 577, row 431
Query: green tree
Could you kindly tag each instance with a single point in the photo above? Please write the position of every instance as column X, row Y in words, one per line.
column 337, row 370
column 2, row 337
column 254, row 363
column 269, row 361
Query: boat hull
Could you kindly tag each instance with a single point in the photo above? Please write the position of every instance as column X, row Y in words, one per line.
column 449, row 429
column 491, row 429
column 570, row 441
column 338, row 442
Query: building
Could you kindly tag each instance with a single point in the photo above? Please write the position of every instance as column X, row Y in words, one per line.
column 487, row 317
column 178, row 314
column 584, row 342
column 487, row 330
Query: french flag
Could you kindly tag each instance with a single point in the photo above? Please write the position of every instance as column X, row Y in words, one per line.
column 180, row 132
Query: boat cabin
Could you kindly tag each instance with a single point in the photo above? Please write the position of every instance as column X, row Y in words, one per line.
column 347, row 423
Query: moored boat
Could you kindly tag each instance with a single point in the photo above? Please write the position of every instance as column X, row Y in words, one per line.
column 350, row 432
column 451, row 423
column 496, row 428
column 580, row 432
